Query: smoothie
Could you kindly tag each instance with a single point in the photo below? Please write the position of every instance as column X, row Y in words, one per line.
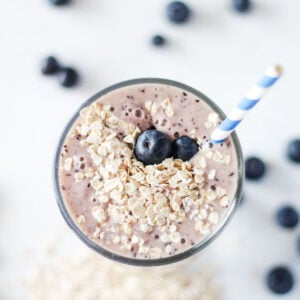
column 146, row 211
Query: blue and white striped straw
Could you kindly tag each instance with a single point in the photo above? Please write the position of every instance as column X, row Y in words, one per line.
column 251, row 98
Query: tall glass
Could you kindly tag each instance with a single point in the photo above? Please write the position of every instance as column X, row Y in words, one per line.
column 166, row 260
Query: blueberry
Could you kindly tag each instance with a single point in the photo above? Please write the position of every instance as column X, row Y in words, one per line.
column 280, row 280
column 67, row 77
column 178, row 12
column 59, row 2
column 152, row 147
column 158, row 40
column 293, row 150
column 298, row 244
column 254, row 168
column 50, row 66
column 184, row 148
column 287, row 217
column 241, row 5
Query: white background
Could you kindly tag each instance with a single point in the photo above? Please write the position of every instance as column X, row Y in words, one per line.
column 218, row 52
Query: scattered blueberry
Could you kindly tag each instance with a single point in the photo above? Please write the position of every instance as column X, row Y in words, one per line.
column 67, row 77
column 152, row 147
column 178, row 12
column 184, row 148
column 254, row 168
column 59, row 2
column 298, row 244
column 280, row 280
column 287, row 217
column 241, row 5
column 158, row 40
column 50, row 65
column 293, row 150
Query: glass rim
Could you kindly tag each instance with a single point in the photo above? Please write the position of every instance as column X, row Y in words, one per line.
column 136, row 261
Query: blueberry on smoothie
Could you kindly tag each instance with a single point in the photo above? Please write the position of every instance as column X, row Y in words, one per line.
column 241, row 5
column 50, row 66
column 68, row 77
column 254, row 168
column 178, row 12
column 280, row 280
column 152, row 147
column 184, row 148
column 293, row 150
column 287, row 217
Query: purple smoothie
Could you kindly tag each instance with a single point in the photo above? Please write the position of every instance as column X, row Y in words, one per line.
column 141, row 211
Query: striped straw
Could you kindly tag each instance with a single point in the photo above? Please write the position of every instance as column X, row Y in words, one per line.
column 251, row 98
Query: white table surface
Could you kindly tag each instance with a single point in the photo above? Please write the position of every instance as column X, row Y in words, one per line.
column 218, row 52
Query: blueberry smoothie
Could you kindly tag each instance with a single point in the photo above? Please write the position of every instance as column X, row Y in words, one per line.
column 138, row 176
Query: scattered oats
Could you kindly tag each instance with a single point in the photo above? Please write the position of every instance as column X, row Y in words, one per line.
column 209, row 154
column 198, row 225
column 168, row 249
column 129, row 139
column 78, row 176
column 99, row 214
column 213, row 118
column 96, row 183
column 203, row 214
column 208, row 125
column 199, row 178
column 227, row 159
column 213, row 218
column 217, row 156
column 127, row 228
column 111, row 184
column 134, row 240
column 151, row 106
column 175, row 237
column 211, row 195
column 165, row 238
column 102, row 198
column 68, row 164
column 155, row 252
column 224, row 201
column 168, row 163
column 172, row 217
column 116, row 240
column 160, row 220
column 165, row 211
column 168, row 107
column 220, row 191
column 89, row 172
column 205, row 229
column 81, row 219
column 143, row 250
column 127, row 152
column 126, row 247
column 212, row 174
column 117, row 196
column 139, row 176
column 97, row 233
column 173, row 228
column 138, row 210
column 106, row 107
column 194, row 213
column 130, row 188
column 102, row 151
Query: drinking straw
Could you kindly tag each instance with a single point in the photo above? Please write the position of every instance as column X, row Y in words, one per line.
column 252, row 97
